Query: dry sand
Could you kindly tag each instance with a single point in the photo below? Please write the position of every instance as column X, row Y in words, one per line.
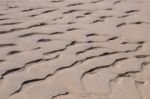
column 74, row 49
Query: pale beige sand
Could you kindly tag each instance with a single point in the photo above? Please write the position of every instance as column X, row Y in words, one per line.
column 74, row 49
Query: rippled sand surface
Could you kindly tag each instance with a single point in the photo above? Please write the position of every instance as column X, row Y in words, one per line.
column 74, row 49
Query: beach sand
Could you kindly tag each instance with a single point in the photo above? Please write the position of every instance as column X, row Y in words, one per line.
column 74, row 49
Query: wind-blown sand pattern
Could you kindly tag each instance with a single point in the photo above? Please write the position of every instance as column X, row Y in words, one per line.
column 74, row 49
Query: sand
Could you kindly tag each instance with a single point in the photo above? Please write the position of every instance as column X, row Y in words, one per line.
column 74, row 49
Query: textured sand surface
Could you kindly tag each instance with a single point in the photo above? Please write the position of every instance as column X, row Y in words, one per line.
column 74, row 49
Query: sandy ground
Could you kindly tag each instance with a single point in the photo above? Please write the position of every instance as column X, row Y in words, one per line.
column 74, row 49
